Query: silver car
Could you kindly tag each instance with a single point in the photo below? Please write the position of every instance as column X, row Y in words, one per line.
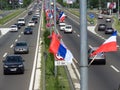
column 21, row 47
column 99, row 59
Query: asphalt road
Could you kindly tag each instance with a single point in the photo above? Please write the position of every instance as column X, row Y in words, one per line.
column 101, row 77
column 16, row 81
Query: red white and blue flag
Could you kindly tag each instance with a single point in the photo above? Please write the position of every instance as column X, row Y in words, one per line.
column 109, row 45
column 62, row 16
column 59, row 50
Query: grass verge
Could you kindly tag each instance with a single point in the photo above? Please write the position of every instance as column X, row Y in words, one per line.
column 60, row 82
column 10, row 16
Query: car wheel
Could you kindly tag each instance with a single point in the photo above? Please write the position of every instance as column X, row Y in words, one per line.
column 4, row 72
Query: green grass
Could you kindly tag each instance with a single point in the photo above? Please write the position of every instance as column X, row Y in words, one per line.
column 10, row 16
column 76, row 12
column 116, row 24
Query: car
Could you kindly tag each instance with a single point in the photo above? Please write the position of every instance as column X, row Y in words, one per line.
column 30, row 12
column 21, row 21
column 68, row 29
column 21, row 47
column 13, row 64
column 100, row 17
column 35, row 19
column 102, row 27
column 37, row 14
column 62, row 25
column 108, row 19
column 13, row 28
column 109, row 30
column 98, row 59
column 18, row 25
column 31, row 23
column 28, row 30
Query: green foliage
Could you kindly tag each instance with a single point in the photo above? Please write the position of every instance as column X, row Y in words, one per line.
column 10, row 16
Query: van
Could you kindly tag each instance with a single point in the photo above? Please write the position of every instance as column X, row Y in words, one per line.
column 62, row 25
column 21, row 21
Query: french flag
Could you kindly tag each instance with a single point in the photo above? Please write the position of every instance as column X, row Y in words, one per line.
column 62, row 16
column 59, row 50
column 109, row 45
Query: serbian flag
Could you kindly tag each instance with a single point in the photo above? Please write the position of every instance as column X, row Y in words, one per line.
column 109, row 45
column 59, row 50
column 62, row 16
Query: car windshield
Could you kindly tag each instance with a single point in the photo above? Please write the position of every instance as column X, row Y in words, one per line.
column 13, row 58
column 27, row 29
column 68, row 27
column 21, row 44
column 21, row 20
column 13, row 26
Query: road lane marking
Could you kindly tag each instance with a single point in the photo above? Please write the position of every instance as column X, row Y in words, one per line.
column 19, row 36
column 5, row 54
column 21, row 32
column 11, row 46
column 114, row 68
column 78, row 35
column 16, row 40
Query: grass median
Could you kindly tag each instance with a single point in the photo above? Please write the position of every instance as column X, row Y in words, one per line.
column 10, row 16
column 60, row 82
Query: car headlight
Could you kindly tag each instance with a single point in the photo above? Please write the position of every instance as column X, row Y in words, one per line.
column 5, row 66
column 20, row 65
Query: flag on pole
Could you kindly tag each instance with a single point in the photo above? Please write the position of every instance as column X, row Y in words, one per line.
column 62, row 16
column 59, row 50
column 109, row 45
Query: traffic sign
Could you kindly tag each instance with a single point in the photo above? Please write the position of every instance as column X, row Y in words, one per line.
column 91, row 15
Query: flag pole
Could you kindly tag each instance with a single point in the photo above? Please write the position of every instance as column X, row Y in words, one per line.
column 83, row 45
column 92, row 60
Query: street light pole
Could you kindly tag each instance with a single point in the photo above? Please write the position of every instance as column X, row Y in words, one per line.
column 83, row 45
column 118, row 9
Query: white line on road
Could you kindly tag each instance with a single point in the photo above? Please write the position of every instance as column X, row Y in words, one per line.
column 16, row 40
column 5, row 54
column 114, row 68
column 11, row 46
column 19, row 36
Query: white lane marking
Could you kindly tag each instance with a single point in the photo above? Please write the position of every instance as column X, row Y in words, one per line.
column 11, row 46
column 5, row 54
column 16, row 40
column 74, row 31
column 78, row 35
column 113, row 67
column 21, row 32
column 19, row 36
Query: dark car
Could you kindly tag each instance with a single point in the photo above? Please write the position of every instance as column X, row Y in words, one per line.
column 13, row 64
column 101, row 27
column 18, row 25
column 35, row 19
column 109, row 30
column 98, row 59
column 28, row 30
column 21, row 47
column 30, row 12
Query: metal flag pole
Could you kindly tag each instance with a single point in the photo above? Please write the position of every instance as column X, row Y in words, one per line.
column 83, row 45
column 92, row 60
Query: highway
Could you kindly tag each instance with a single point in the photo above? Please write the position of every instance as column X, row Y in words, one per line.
column 16, row 81
column 101, row 77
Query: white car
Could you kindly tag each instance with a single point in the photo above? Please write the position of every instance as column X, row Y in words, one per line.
column 31, row 23
column 21, row 21
column 14, row 28
column 108, row 19
column 68, row 29
column 62, row 25
column 37, row 14
column 100, row 17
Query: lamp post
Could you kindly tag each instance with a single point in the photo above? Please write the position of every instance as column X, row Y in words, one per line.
column 118, row 9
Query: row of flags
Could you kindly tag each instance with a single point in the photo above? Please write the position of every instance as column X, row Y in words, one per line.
column 49, row 15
